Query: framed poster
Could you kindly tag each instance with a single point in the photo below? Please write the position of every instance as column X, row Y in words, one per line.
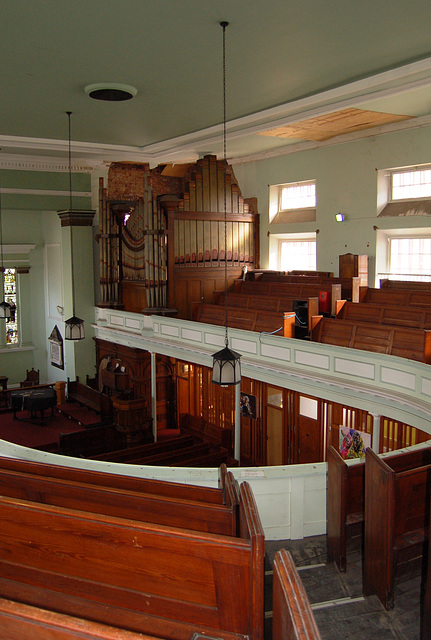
column 56, row 348
column 247, row 405
column 352, row 443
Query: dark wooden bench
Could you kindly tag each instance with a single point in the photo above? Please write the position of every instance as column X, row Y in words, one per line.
column 23, row 622
column 246, row 319
column 328, row 294
column 396, row 524
column 267, row 303
column 408, row 285
column 139, row 576
column 349, row 286
column 292, row 617
column 151, row 448
column 413, row 317
column 346, row 495
column 120, row 481
column 81, row 397
column 395, row 297
column 90, row 441
column 186, row 514
column 198, row 427
column 404, row 342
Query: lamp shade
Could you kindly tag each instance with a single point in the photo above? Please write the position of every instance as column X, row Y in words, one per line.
column 5, row 310
column 226, row 367
column 74, row 329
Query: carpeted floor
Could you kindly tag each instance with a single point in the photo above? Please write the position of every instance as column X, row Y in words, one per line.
column 36, row 434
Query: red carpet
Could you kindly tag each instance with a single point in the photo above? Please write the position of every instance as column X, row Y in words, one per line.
column 36, row 436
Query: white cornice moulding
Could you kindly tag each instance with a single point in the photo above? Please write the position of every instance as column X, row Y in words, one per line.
column 45, row 192
column 17, row 248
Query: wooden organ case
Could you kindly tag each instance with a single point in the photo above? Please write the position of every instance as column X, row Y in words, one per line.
column 162, row 236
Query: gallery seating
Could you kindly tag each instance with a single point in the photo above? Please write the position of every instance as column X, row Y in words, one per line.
column 132, row 574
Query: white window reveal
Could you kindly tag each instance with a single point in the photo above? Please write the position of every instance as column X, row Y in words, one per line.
column 297, row 255
column 297, row 196
column 410, row 258
column 292, row 202
column 411, row 184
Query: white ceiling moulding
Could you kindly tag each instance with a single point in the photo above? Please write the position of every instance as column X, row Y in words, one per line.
column 84, row 152
column 46, row 192
column 44, row 163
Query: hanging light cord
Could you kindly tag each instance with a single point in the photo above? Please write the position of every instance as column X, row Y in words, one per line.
column 69, row 113
column 1, row 237
column 224, row 24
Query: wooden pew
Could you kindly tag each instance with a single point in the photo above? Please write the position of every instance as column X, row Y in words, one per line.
column 349, row 286
column 346, row 495
column 82, row 396
column 186, row 514
column 23, row 622
column 395, row 297
column 88, row 442
column 404, row 342
column 396, row 523
column 246, row 319
column 266, row 303
column 151, row 448
column 345, row 504
column 117, row 481
column 408, row 285
column 198, row 427
column 328, row 294
column 135, row 575
column 292, row 617
column 413, row 317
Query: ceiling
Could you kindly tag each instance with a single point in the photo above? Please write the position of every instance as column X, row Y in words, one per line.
column 286, row 63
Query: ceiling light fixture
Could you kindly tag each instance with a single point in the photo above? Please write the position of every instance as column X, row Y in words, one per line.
column 74, row 327
column 226, row 363
column 110, row 91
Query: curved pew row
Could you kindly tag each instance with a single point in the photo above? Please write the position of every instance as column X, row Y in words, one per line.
column 140, row 576
column 117, row 481
column 23, row 622
column 176, row 512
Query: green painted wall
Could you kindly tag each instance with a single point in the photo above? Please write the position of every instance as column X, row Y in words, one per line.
column 346, row 176
column 33, row 219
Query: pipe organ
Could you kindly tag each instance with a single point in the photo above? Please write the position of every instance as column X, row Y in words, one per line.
column 162, row 243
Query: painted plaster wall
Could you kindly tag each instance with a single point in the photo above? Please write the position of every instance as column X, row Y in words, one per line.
column 346, row 177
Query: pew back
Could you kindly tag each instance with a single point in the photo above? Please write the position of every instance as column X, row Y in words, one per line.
column 396, row 516
column 139, row 576
column 293, row 618
column 23, row 622
column 404, row 342
column 413, row 317
column 128, row 483
column 187, row 514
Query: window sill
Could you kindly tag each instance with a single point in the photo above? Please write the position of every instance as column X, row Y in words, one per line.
column 421, row 207
column 16, row 348
column 294, row 215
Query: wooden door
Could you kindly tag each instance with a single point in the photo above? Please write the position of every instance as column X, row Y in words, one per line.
column 274, row 436
column 274, row 426
column 309, row 431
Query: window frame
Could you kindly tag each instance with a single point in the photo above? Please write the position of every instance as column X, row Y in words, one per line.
column 278, row 215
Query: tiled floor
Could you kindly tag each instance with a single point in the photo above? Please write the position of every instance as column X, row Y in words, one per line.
column 341, row 611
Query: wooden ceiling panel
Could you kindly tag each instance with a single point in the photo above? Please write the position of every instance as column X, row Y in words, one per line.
column 334, row 124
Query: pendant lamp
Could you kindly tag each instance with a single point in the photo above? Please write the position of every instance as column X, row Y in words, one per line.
column 226, row 363
column 74, row 326
column 5, row 308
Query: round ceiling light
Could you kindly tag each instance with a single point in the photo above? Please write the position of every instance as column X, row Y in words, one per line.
column 110, row 92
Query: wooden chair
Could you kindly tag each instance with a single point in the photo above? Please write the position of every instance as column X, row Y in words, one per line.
column 32, row 379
